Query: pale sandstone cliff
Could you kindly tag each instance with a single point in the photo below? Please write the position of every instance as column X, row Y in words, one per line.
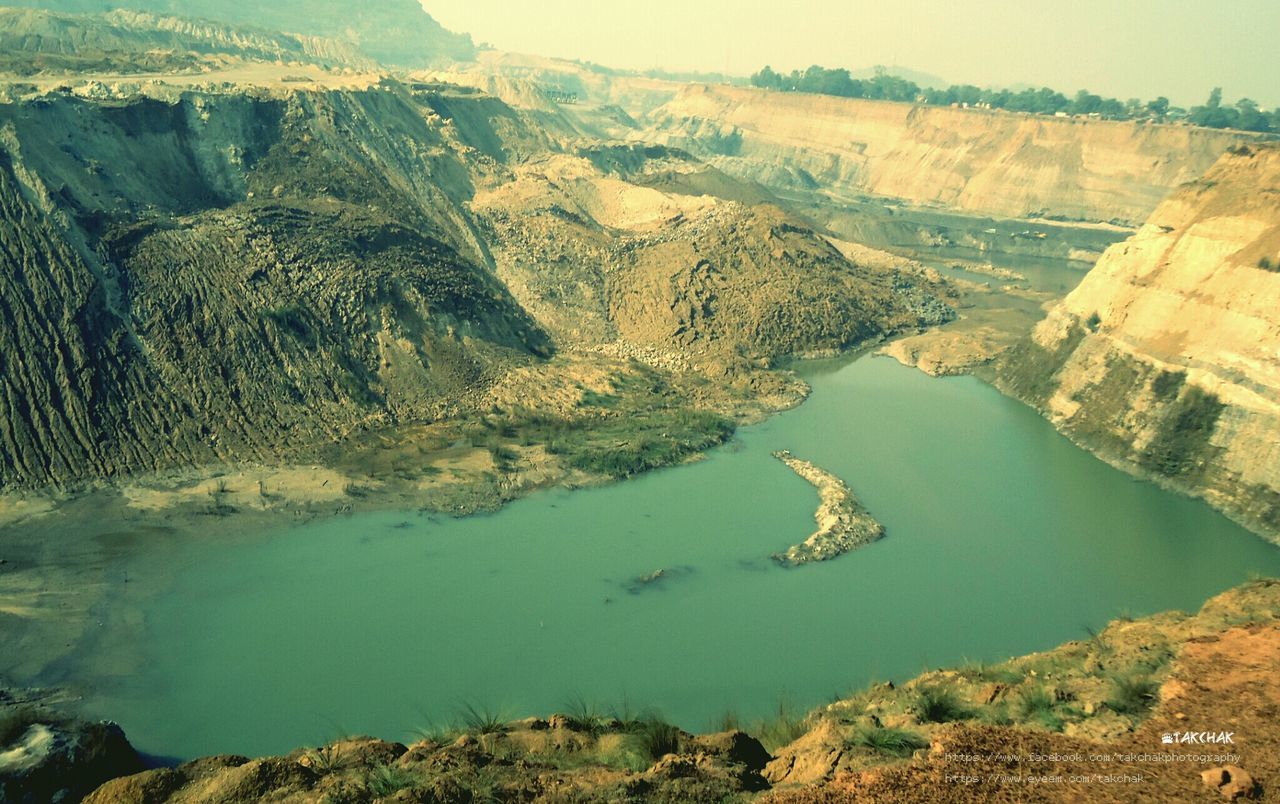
column 991, row 162
column 1166, row 358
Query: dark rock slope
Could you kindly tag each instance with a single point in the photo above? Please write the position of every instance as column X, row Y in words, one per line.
column 230, row 278
column 252, row 275
column 124, row 42
column 395, row 32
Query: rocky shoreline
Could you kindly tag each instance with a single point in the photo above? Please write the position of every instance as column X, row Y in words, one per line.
column 843, row 524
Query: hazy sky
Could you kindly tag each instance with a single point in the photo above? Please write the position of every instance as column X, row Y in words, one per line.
column 1121, row 48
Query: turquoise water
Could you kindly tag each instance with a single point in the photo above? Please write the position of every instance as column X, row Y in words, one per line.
column 1003, row 538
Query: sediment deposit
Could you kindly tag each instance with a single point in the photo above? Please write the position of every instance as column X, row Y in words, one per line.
column 843, row 524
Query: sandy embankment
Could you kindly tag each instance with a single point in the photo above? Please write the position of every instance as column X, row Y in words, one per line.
column 843, row 524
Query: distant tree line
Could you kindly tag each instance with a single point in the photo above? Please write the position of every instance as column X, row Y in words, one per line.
column 1245, row 115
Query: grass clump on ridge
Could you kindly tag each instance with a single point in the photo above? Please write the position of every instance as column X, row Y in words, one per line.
column 1132, row 694
column 657, row 738
column 888, row 741
column 938, row 704
column 480, row 719
column 387, row 780
column 1036, row 705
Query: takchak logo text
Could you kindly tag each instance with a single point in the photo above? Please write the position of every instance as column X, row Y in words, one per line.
column 1199, row 737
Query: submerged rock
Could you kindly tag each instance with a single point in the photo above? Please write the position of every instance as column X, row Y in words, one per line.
column 843, row 524
column 649, row 580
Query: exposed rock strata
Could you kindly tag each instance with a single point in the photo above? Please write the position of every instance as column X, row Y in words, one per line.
column 1164, row 360
column 843, row 524
column 395, row 32
column 128, row 41
column 999, row 163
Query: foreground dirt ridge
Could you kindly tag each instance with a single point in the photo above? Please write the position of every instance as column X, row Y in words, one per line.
column 1085, row 721
column 1164, row 359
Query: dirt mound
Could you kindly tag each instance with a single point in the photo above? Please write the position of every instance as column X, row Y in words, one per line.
column 748, row 281
column 595, row 256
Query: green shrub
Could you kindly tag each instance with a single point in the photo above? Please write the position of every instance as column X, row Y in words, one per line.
column 1132, row 694
column 728, row 721
column 327, row 759
column 1097, row 642
column 657, row 738
column 997, row 715
column 938, row 704
column 479, row 719
column 1167, row 384
column 586, row 714
column 291, row 319
column 15, row 724
column 1183, row 436
column 888, row 741
column 386, row 780
column 1036, row 705
column 633, row 445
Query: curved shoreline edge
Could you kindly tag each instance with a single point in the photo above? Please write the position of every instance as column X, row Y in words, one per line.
column 843, row 524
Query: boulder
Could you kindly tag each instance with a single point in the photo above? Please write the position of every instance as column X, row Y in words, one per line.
column 812, row 759
column 737, row 747
column 1231, row 781
column 50, row 759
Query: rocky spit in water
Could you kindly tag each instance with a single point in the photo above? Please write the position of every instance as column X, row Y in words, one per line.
column 843, row 524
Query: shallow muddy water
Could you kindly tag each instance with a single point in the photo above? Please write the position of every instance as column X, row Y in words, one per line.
column 1003, row 538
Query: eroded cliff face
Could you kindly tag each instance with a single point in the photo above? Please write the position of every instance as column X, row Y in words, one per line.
column 254, row 275
column 398, row 32
column 996, row 163
column 1166, row 358
column 36, row 41
column 239, row 277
